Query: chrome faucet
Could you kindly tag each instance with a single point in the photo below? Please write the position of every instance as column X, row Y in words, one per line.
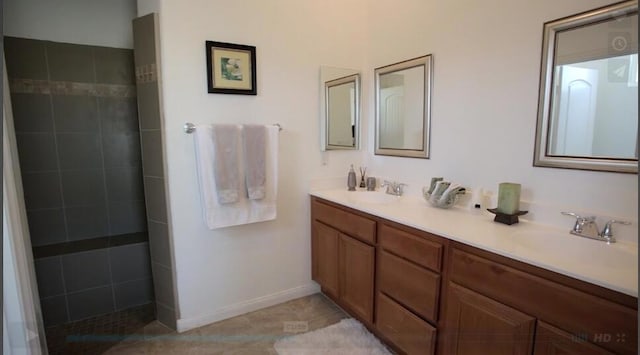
column 394, row 188
column 588, row 228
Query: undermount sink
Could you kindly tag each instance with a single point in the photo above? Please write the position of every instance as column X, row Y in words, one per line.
column 616, row 257
column 375, row 197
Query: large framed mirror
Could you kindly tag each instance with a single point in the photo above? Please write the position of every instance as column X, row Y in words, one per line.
column 403, row 108
column 588, row 108
column 340, row 108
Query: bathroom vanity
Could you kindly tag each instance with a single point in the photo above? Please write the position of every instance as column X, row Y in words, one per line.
column 431, row 281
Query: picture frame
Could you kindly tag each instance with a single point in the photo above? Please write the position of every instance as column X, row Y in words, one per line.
column 231, row 68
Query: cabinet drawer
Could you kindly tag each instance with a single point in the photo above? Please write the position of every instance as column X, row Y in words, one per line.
column 419, row 250
column 406, row 331
column 414, row 287
column 349, row 223
column 569, row 309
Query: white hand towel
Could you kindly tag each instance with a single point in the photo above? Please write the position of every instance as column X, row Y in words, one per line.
column 243, row 211
column 254, row 147
column 225, row 162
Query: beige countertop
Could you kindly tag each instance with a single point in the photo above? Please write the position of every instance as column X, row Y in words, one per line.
column 614, row 266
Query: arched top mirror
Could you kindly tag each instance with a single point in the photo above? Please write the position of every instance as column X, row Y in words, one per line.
column 588, row 108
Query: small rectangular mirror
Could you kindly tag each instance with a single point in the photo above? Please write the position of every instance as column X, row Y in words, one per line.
column 403, row 108
column 588, row 108
column 340, row 111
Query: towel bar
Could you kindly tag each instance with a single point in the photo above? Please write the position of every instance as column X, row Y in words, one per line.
column 190, row 127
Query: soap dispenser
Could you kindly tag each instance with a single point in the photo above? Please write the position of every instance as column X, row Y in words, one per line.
column 351, row 179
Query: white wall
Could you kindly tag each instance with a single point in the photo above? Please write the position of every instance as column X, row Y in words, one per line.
column 227, row 271
column 486, row 72
column 484, row 103
column 92, row 22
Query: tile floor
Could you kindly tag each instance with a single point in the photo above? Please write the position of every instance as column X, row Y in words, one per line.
column 251, row 333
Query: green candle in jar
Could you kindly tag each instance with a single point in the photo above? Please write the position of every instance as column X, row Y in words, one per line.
column 508, row 198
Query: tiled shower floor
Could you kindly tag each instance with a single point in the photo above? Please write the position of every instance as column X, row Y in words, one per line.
column 251, row 333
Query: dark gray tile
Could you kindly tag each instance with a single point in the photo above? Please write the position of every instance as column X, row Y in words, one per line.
column 144, row 44
column 127, row 217
column 133, row 293
column 31, row 113
column 118, row 115
column 159, row 243
column 54, row 310
column 91, row 303
column 148, row 105
column 83, row 187
column 154, row 193
column 130, row 262
column 87, row 222
column 124, row 184
column 41, row 190
column 70, row 62
column 166, row 316
column 49, row 276
column 128, row 238
column 46, row 227
column 75, row 113
column 163, row 284
column 121, row 150
column 152, row 153
column 86, row 270
column 25, row 58
column 37, row 151
column 79, row 150
column 114, row 65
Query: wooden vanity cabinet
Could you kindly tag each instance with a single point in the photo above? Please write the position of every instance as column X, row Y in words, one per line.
column 343, row 258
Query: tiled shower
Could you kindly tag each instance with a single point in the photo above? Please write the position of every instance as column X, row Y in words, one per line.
column 76, row 121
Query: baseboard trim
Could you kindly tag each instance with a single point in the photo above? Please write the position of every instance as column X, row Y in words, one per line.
column 237, row 309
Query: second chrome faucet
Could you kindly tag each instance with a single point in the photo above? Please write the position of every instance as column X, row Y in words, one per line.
column 393, row 187
column 588, row 228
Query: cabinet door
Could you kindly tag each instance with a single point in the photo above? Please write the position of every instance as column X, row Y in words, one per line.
column 553, row 341
column 356, row 276
column 476, row 324
column 324, row 257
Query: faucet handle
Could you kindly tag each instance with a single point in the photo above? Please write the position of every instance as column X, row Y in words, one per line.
column 607, row 232
column 580, row 218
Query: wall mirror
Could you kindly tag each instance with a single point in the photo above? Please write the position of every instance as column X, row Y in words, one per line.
column 588, row 108
column 340, row 111
column 403, row 92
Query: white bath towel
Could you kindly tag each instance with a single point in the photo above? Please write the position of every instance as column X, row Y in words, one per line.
column 254, row 144
column 226, row 166
column 242, row 211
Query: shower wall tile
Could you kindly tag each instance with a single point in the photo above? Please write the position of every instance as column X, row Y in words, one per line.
column 130, row 262
column 148, row 105
column 163, row 285
column 144, row 40
column 166, row 315
column 127, row 217
column 79, row 150
column 75, row 113
column 114, row 65
column 118, row 115
column 70, row 62
column 121, row 150
column 124, row 184
column 159, row 243
column 49, row 276
column 155, row 199
column 54, row 310
column 87, row 222
column 46, row 226
column 83, row 187
column 152, row 153
column 86, row 270
column 91, row 303
column 133, row 293
column 32, row 113
column 27, row 59
column 37, row 151
column 42, row 190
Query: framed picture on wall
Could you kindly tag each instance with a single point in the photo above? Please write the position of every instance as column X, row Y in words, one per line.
column 231, row 68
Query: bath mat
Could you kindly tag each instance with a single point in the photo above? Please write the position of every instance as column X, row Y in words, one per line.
column 346, row 337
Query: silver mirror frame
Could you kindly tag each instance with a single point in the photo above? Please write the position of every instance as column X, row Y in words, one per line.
column 355, row 78
column 427, row 62
column 546, row 85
